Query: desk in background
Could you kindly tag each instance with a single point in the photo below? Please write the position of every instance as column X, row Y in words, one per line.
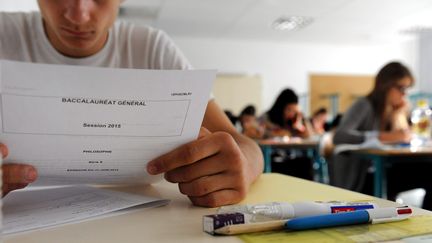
column 381, row 158
column 311, row 149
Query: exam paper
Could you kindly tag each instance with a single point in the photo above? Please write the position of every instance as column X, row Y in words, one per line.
column 36, row 209
column 81, row 125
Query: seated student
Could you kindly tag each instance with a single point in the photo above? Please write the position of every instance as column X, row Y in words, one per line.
column 249, row 123
column 285, row 118
column 216, row 169
column 382, row 115
column 318, row 121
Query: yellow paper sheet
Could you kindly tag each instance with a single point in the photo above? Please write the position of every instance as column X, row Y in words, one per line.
column 417, row 225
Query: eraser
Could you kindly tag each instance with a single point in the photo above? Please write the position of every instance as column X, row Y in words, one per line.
column 216, row 221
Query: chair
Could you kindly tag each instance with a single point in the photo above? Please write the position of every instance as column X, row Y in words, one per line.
column 412, row 197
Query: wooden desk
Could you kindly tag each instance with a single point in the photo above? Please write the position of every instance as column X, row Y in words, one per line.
column 310, row 147
column 180, row 221
column 381, row 158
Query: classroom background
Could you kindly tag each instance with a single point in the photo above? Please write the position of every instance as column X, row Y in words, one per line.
column 327, row 52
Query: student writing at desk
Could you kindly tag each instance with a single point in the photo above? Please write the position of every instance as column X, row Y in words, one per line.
column 284, row 119
column 213, row 170
column 382, row 116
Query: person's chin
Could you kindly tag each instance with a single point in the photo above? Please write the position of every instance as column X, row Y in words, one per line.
column 79, row 41
column 79, row 46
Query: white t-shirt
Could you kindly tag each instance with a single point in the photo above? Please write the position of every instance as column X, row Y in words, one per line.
column 22, row 38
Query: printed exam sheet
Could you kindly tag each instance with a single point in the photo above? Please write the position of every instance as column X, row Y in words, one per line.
column 81, row 125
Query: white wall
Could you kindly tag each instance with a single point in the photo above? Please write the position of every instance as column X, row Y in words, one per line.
column 289, row 65
column 425, row 70
column 18, row 5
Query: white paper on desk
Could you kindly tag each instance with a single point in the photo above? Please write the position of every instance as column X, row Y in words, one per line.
column 368, row 144
column 81, row 125
column 36, row 209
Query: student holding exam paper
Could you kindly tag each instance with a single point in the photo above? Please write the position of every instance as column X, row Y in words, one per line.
column 215, row 169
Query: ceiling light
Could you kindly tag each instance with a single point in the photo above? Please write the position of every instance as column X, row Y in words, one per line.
column 291, row 23
column 414, row 30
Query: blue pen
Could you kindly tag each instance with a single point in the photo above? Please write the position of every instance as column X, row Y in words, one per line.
column 374, row 216
column 349, row 218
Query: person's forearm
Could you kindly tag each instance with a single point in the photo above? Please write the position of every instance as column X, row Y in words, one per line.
column 384, row 137
column 393, row 137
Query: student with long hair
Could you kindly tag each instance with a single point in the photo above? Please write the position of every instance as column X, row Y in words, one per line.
column 381, row 116
column 383, row 113
column 285, row 118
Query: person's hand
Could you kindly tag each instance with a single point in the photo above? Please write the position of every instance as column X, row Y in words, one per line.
column 403, row 106
column 298, row 123
column 15, row 176
column 212, row 170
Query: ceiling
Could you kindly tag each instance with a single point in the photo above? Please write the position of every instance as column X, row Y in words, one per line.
column 335, row 21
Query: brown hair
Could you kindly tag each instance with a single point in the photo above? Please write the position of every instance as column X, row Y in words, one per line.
column 387, row 78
